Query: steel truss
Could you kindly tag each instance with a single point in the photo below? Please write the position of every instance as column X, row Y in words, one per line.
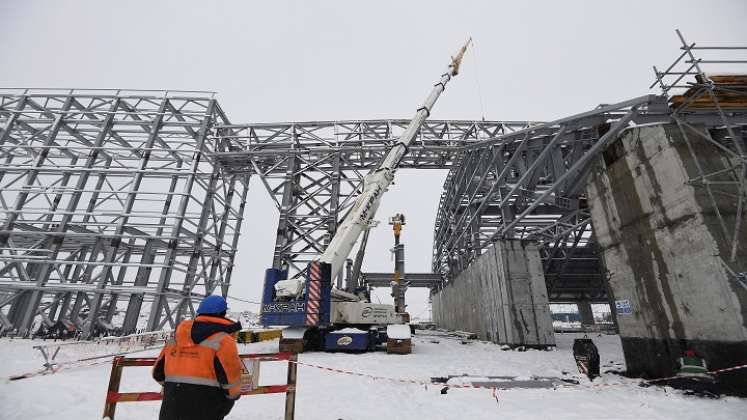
column 530, row 184
column 314, row 170
column 111, row 200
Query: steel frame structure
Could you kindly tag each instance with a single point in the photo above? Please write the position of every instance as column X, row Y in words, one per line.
column 314, row 170
column 111, row 200
column 530, row 184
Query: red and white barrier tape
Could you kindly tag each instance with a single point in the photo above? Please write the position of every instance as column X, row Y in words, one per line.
column 54, row 368
column 712, row 372
column 717, row 371
column 493, row 390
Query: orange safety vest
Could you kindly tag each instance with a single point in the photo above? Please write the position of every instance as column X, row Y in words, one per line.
column 187, row 362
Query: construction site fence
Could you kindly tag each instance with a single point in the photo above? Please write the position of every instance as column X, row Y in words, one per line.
column 249, row 381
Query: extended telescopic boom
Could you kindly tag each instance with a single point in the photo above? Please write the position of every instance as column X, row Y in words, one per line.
column 378, row 180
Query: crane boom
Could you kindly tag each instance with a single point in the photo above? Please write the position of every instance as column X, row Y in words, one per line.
column 376, row 182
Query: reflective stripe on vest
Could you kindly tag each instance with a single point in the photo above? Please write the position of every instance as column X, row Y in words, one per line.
column 229, row 386
column 214, row 341
column 194, row 380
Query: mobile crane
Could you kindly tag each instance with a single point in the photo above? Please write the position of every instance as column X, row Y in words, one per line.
column 325, row 317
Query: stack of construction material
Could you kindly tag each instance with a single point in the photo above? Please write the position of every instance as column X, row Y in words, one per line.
column 730, row 92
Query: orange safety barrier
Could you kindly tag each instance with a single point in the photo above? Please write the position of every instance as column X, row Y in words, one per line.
column 248, row 387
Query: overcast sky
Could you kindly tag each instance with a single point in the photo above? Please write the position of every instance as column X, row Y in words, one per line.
column 302, row 60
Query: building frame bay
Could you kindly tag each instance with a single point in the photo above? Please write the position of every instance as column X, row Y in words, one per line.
column 112, row 207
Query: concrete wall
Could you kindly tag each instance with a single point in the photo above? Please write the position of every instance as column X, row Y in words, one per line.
column 666, row 252
column 501, row 297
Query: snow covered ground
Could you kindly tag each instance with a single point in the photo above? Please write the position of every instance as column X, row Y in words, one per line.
column 79, row 394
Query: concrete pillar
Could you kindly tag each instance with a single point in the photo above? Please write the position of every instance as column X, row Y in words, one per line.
column 584, row 310
column 667, row 253
column 501, row 296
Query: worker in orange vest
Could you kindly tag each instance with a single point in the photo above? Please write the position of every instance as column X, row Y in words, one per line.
column 199, row 368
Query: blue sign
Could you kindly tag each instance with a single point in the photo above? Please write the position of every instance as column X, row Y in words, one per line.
column 295, row 313
column 623, row 307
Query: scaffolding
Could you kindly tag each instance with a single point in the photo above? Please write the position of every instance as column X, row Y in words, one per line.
column 722, row 96
column 112, row 207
